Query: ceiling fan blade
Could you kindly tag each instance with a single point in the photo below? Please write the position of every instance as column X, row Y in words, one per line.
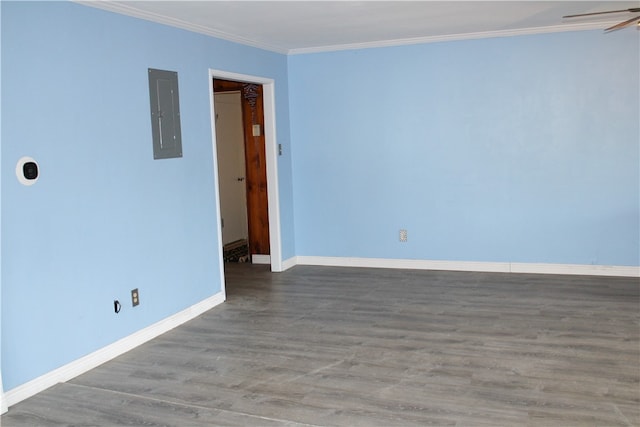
column 623, row 24
column 632, row 10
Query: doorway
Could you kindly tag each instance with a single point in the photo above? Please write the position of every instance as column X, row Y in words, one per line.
column 253, row 177
column 268, row 250
column 232, row 176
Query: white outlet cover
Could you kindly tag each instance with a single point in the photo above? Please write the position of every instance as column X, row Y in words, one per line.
column 20, row 171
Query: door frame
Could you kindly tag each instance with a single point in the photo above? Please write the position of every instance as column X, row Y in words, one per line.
column 271, row 152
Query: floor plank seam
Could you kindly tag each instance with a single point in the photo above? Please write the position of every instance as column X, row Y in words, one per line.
column 185, row 405
column 318, row 370
column 621, row 415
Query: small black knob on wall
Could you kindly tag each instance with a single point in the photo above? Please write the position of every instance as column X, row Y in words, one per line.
column 30, row 170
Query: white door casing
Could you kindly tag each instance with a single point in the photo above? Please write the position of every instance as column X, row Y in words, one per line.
column 271, row 151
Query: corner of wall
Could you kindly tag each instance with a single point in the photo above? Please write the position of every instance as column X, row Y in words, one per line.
column 289, row 263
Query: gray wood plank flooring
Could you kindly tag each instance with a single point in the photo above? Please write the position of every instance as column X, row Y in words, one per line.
column 372, row 347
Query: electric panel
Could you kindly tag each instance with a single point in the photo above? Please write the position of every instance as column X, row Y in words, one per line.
column 165, row 114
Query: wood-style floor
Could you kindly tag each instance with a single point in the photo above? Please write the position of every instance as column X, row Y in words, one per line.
column 371, row 347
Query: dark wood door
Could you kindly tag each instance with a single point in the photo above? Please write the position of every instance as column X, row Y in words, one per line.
column 255, row 158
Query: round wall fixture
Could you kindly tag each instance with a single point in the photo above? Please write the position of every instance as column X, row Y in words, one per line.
column 27, row 171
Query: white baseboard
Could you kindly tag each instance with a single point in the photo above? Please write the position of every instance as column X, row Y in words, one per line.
column 3, row 400
column 97, row 358
column 289, row 263
column 493, row 267
column 260, row 259
column 576, row 269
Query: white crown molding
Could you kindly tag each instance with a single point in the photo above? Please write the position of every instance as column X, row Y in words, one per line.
column 455, row 37
column 177, row 23
column 123, row 9
column 471, row 266
column 98, row 357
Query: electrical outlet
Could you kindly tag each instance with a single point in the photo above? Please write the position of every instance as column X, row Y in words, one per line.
column 135, row 297
column 403, row 235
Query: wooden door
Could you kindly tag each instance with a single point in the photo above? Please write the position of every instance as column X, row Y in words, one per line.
column 255, row 161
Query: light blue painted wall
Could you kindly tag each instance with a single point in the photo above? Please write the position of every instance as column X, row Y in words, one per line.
column 521, row 149
column 105, row 217
column 1, row 382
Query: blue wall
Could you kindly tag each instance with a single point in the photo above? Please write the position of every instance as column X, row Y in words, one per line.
column 105, row 217
column 521, row 149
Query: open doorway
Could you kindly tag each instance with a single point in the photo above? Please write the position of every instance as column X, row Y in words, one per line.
column 232, row 176
column 250, row 180
column 258, row 118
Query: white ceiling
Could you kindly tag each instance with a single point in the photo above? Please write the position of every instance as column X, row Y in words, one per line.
column 311, row 26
